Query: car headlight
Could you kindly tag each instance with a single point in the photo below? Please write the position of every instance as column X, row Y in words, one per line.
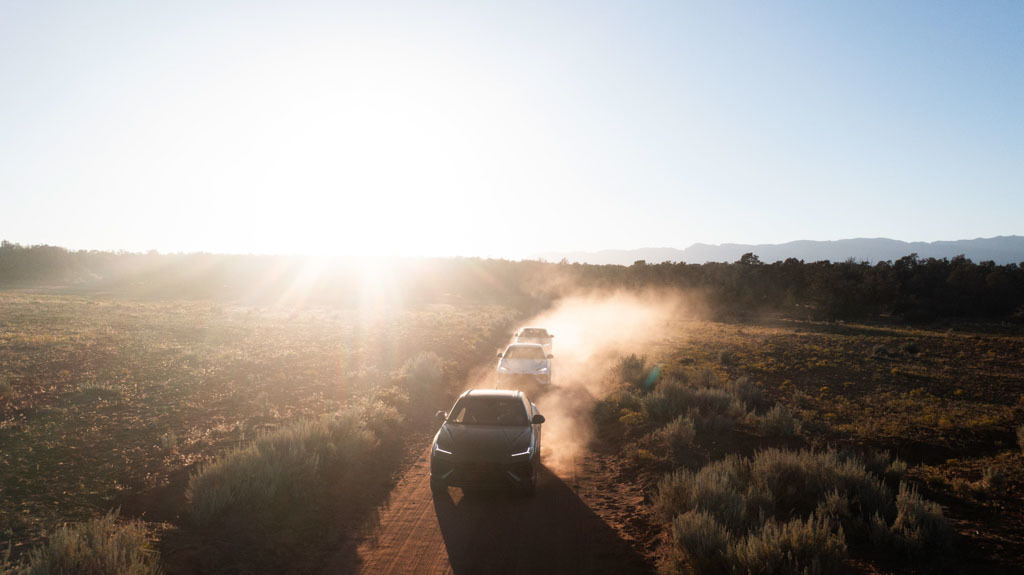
column 502, row 368
column 542, row 370
column 441, row 450
column 522, row 445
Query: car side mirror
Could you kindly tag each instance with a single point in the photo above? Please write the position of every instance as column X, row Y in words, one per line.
column 441, row 415
column 500, row 354
column 537, row 419
column 551, row 356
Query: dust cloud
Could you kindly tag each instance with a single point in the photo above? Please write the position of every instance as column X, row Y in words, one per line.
column 592, row 331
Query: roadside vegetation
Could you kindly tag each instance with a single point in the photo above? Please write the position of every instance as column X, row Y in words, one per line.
column 215, row 399
column 792, row 446
column 914, row 289
column 100, row 546
column 215, row 423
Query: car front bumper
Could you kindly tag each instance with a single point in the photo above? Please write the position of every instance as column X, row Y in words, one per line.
column 518, row 474
column 515, row 380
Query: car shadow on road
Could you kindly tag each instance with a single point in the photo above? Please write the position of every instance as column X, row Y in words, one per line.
column 551, row 532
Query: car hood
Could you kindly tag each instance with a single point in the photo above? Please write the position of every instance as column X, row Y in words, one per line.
column 484, row 442
column 523, row 365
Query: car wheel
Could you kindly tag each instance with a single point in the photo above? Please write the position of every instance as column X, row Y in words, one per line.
column 531, row 488
column 438, row 487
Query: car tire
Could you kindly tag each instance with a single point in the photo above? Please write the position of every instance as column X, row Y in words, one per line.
column 530, row 489
column 438, row 487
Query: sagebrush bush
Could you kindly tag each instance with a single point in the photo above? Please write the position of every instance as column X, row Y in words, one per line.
column 779, row 421
column 747, row 392
column 876, row 462
column 919, row 527
column 702, row 542
column 993, row 481
column 265, row 505
column 791, row 512
column 710, row 408
column 802, row 399
column 631, row 369
column 896, row 470
column 278, row 467
column 423, row 373
column 381, row 416
column 679, row 433
column 795, row 547
column 100, row 546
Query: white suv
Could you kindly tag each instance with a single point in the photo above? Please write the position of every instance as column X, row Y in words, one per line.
column 534, row 335
column 524, row 364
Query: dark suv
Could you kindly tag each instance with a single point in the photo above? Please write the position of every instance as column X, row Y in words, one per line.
column 490, row 438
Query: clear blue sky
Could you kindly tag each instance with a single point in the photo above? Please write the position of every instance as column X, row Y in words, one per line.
column 506, row 129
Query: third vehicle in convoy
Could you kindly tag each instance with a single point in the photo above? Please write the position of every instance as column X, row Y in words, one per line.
column 534, row 335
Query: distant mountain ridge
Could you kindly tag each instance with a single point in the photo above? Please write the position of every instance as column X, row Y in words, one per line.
column 1000, row 249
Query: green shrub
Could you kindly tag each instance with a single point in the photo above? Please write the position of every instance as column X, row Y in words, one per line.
column 606, row 411
column 632, row 370
column 896, row 470
column 277, row 469
column 802, row 399
column 993, row 481
column 796, row 547
column 876, row 462
column 799, row 480
column 680, row 433
column 717, row 488
column 381, row 417
column 631, row 418
column 264, row 506
column 705, row 406
column 790, row 512
column 779, row 422
column 919, row 527
column 669, row 400
column 169, row 442
column 423, row 373
column 702, row 542
column 101, row 546
column 747, row 392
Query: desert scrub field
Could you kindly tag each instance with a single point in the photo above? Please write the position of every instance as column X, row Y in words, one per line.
column 111, row 402
column 931, row 414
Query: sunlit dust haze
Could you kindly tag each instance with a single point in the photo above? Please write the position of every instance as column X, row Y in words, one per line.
column 592, row 331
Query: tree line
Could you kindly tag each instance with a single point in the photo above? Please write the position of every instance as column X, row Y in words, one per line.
column 912, row 288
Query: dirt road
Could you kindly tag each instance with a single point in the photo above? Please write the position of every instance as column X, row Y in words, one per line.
column 494, row 532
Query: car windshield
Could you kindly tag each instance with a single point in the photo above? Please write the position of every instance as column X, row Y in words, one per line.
column 536, row 333
column 489, row 411
column 524, row 352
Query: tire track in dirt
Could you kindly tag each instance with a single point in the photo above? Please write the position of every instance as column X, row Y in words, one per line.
column 492, row 532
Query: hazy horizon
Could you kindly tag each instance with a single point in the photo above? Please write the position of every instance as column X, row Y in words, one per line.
column 507, row 130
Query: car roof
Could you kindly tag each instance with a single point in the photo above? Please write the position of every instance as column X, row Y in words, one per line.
column 525, row 345
column 492, row 393
column 533, row 328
